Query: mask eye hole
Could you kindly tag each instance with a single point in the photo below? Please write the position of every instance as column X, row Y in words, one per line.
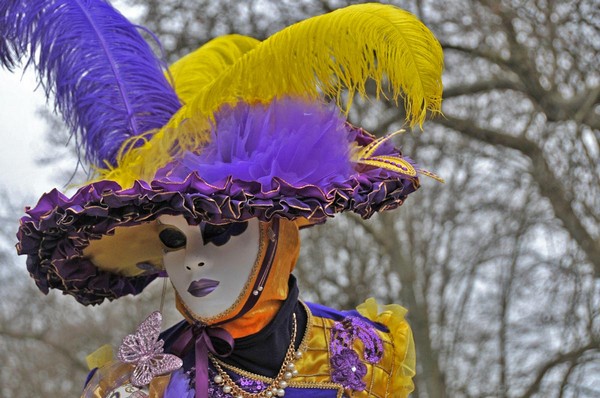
column 219, row 235
column 172, row 238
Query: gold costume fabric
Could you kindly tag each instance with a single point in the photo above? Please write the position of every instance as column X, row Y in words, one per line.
column 390, row 377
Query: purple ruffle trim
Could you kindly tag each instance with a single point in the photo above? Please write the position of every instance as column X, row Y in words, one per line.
column 54, row 234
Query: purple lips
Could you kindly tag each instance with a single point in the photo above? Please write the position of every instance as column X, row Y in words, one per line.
column 202, row 287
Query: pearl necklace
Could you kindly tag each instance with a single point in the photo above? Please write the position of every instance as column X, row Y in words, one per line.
column 279, row 384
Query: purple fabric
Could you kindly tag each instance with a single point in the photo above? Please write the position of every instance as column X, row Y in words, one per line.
column 179, row 386
column 248, row 385
column 347, row 367
column 54, row 233
column 322, row 311
column 105, row 79
column 310, row 392
column 215, row 390
column 201, row 336
column 302, row 143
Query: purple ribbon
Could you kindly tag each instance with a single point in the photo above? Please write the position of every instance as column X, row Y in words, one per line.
column 201, row 337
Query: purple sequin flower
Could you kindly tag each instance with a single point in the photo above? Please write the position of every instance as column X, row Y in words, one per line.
column 347, row 367
column 348, row 370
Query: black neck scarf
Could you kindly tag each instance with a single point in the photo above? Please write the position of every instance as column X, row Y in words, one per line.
column 263, row 352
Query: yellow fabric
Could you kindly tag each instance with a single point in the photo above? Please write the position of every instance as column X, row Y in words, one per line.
column 392, row 316
column 100, row 357
column 391, row 377
column 113, row 375
column 124, row 248
column 324, row 55
column 158, row 385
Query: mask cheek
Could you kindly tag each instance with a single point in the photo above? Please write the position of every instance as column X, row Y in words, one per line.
column 179, row 275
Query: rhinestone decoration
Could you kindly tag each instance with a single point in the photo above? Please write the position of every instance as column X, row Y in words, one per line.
column 347, row 367
column 144, row 350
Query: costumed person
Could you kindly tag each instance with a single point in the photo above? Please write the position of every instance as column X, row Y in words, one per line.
column 205, row 175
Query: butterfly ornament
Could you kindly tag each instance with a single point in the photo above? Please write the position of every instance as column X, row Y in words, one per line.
column 145, row 350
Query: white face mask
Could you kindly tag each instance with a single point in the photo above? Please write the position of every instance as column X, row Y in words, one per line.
column 208, row 278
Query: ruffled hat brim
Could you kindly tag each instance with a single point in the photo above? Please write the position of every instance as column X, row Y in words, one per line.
column 288, row 159
column 55, row 233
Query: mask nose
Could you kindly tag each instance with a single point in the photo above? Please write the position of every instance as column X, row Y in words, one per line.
column 199, row 265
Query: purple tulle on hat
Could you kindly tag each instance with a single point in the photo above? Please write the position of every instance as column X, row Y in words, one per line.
column 295, row 141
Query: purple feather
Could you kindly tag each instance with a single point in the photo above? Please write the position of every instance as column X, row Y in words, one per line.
column 10, row 23
column 296, row 141
column 179, row 386
column 107, row 82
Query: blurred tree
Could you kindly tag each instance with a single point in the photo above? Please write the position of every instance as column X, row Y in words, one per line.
column 44, row 339
column 499, row 266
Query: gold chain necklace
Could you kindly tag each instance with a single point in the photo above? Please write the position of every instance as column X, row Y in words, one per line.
column 277, row 387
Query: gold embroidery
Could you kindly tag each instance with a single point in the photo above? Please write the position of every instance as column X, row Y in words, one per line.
column 314, row 370
column 315, row 365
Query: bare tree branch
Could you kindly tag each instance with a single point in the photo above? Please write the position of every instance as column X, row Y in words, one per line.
column 550, row 186
column 58, row 347
column 567, row 357
column 482, row 86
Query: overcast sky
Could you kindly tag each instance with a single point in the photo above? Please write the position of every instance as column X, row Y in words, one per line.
column 21, row 134
column 22, row 131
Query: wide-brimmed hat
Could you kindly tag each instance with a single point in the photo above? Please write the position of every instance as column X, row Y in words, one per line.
column 260, row 131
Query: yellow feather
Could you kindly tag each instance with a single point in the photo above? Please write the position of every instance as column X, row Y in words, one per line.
column 333, row 52
column 431, row 175
column 395, row 164
column 194, row 71
column 324, row 55
column 368, row 150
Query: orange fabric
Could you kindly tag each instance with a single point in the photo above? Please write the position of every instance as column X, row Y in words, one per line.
column 276, row 287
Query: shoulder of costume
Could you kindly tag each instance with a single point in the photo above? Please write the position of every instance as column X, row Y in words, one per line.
column 370, row 350
column 322, row 311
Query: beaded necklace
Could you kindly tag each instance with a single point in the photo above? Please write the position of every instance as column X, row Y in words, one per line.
column 278, row 385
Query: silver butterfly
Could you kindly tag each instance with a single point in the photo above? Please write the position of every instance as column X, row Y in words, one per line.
column 144, row 350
